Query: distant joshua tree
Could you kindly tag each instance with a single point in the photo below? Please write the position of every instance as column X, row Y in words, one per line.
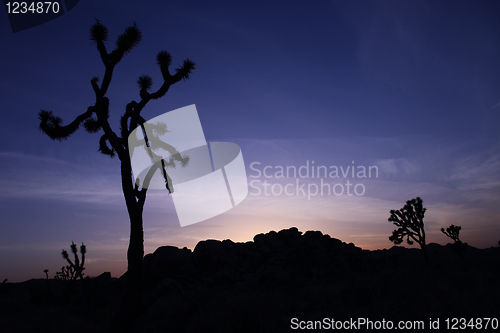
column 454, row 233
column 96, row 119
column 410, row 220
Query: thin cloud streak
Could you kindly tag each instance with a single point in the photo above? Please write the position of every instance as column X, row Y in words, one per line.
column 495, row 106
column 30, row 176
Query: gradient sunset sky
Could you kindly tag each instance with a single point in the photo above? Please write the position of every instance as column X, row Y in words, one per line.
column 409, row 87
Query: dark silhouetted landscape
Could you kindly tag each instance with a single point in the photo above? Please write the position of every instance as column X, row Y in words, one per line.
column 315, row 117
column 260, row 285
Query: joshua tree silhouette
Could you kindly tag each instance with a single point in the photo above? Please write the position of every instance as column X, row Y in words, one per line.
column 410, row 220
column 454, row 233
column 134, row 194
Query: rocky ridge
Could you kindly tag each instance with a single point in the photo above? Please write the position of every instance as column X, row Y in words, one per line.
column 271, row 260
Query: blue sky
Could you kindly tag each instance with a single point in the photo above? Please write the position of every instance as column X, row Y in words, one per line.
column 409, row 87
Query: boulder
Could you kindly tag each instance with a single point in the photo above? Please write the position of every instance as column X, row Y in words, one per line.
column 207, row 254
column 167, row 262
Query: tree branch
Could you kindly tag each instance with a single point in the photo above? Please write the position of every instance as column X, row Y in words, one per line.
column 51, row 125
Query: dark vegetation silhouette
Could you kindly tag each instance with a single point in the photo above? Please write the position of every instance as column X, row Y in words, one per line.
column 95, row 119
column 410, row 223
column 4, row 286
column 75, row 269
column 68, row 275
column 222, row 286
column 454, row 233
column 259, row 285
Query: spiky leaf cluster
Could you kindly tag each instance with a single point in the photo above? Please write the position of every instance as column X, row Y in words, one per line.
column 159, row 128
column 129, row 39
column 182, row 159
column 163, row 59
column 98, row 32
column 144, row 82
column 92, row 125
column 184, row 72
column 51, row 125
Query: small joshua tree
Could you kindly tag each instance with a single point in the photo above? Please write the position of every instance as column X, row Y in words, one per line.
column 454, row 233
column 410, row 220
column 75, row 269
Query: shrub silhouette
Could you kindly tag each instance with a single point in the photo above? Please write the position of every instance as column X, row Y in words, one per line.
column 454, row 233
column 410, row 220
column 111, row 144
column 75, row 269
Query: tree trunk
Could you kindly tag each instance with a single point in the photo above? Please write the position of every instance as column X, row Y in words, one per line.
column 135, row 252
column 422, row 243
column 135, row 255
column 424, row 251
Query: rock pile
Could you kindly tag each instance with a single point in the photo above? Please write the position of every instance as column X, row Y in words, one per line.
column 272, row 260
